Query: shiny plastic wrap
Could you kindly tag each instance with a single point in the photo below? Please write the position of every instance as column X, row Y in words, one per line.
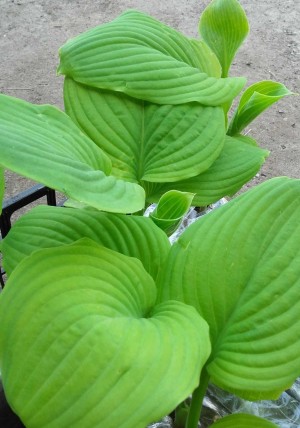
column 284, row 412
column 164, row 423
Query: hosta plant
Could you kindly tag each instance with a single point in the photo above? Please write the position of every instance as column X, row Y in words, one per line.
column 148, row 111
column 103, row 322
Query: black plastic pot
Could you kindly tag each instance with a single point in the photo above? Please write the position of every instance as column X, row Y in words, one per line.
column 8, row 419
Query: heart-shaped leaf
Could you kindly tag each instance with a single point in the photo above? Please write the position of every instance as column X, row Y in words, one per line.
column 242, row 420
column 43, row 143
column 257, row 98
column 146, row 141
column 224, row 26
column 171, row 209
column 2, row 187
column 239, row 161
column 83, row 336
column 239, row 266
column 47, row 227
column 145, row 59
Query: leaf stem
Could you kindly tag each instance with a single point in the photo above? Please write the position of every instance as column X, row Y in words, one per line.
column 197, row 400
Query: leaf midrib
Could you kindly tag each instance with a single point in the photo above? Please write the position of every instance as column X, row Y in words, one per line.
column 141, row 152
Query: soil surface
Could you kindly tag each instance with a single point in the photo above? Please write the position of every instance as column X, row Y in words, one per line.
column 31, row 31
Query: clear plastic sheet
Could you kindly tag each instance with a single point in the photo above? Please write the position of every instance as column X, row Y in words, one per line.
column 164, row 423
column 284, row 412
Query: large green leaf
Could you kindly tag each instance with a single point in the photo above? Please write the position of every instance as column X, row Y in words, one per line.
column 47, row 227
column 242, row 420
column 82, row 344
column 2, row 187
column 257, row 98
column 44, row 144
column 240, row 267
column 144, row 58
column 224, row 26
column 238, row 162
column 146, row 141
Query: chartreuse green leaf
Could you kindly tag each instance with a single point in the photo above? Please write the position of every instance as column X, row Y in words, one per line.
column 84, row 337
column 42, row 143
column 224, row 26
column 240, row 268
column 2, row 187
column 145, row 59
column 171, row 209
column 206, row 59
column 239, row 161
column 257, row 98
column 47, row 227
column 242, row 420
column 146, row 141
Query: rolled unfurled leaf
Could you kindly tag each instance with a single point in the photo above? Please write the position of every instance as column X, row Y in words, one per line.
column 146, row 141
column 82, row 334
column 239, row 266
column 224, row 26
column 257, row 98
column 171, row 209
column 42, row 143
column 47, row 227
column 145, row 59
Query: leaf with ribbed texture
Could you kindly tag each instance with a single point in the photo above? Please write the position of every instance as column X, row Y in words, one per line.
column 243, row 420
column 2, row 187
column 145, row 59
column 239, row 266
column 171, row 209
column 93, row 350
column 47, row 227
column 238, row 162
column 146, row 141
column 224, row 26
column 257, row 98
column 207, row 60
column 42, row 143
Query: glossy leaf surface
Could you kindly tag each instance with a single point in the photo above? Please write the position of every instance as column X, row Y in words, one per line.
column 47, row 227
column 93, row 350
column 254, row 101
column 146, row 141
column 42, row 143
column 145, row 59
column 171, row 209
column 242, row 420
column 239, row 161
column 224, row 26
column 240, row 268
